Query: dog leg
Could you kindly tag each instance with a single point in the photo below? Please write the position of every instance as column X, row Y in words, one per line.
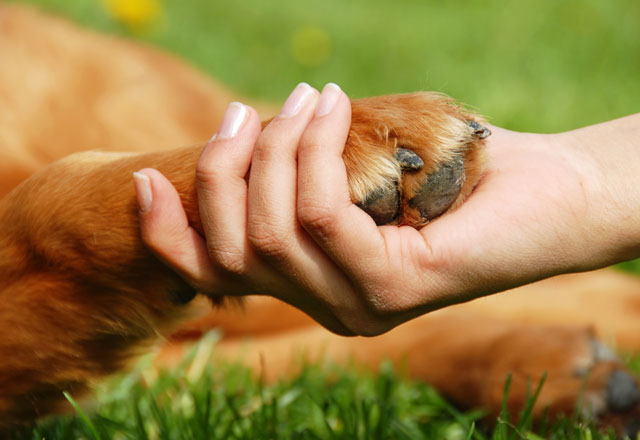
column 466, row 356
column 81, row 292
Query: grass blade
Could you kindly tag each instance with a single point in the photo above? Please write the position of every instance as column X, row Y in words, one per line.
column 83, row 416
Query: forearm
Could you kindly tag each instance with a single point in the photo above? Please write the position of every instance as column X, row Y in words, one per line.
column 609, row 154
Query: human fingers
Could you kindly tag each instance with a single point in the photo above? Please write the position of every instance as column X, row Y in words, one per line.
column 272, row 186
column 222, row 195
column 325, row 209
column 324, row 206
column 166, row 231
column 342, row 230
column 222, row 190
column 273, row 230
column 228, row 265
column 394, row 269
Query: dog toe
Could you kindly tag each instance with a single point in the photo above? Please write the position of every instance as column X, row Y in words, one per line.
column 434, row 196
column 382, row 204
column 411, row 158
column 622, row 391
column 439, row 189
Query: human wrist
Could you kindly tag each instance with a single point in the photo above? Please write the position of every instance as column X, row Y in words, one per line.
column 607, row 156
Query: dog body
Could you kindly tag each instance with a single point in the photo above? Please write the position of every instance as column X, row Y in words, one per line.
column 74, row 305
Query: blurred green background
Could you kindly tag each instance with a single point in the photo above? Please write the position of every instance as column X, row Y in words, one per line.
column 528, row 65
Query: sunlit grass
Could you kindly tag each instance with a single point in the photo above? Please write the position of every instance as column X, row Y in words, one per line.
column 222, row 401
column 528, row 65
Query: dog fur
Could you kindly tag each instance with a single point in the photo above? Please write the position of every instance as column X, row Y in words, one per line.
column 81, row 294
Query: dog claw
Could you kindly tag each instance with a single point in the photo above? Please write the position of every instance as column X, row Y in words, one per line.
column 408, row 160
column 383, row 205
column 440, row 189
column 622, row 392
column 480, row 131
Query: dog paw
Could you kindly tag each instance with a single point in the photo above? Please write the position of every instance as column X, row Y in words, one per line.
column 411, row 158
column 611, row 396
column 583, row 377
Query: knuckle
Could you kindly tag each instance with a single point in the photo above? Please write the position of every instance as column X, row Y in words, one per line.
column 310, row 144
column 268, row 242
column 316, row 218
column 209, row 174
column 367, row 325
column 264, row 153
column 377, row 307
column 271, row 146
column 373, row 330
column 373, row 317
column 229, row 261
column 362, row 322
column 385, row 302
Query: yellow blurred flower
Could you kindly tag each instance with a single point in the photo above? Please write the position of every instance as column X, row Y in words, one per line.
column 135, row 14
column 311, row 46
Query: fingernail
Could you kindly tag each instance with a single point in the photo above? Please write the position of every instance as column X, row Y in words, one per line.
column 143, row 191
column 232, row 121
column 296, row 100
column 328, row 99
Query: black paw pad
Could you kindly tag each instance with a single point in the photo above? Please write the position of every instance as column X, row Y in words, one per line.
column 622, row 392
column 383, row 205
column 440, row 189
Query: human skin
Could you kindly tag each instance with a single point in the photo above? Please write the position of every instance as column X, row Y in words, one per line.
column 548, row 204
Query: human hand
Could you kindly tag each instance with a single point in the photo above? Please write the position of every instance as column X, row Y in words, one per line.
column 292, row 232
column 233, row 217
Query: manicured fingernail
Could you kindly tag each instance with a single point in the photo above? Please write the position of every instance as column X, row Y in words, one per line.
column 143, row 191
column 296, row 100
column 232, row 121
column 328, row 99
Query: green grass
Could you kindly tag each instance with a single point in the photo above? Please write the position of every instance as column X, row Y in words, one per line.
column 531, row 65
column 528, row 65
column 323, row 402
column 535, row 65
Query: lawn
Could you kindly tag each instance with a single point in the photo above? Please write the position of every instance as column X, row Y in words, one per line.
column 531, row 65
column 220, row 401
column 528, row 65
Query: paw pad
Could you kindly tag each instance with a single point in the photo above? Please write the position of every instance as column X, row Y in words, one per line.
column 411, row 158
column 440, row 189
column 383, row 205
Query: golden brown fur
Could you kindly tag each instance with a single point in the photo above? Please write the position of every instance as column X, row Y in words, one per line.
column 465, row 350
column 80, row 293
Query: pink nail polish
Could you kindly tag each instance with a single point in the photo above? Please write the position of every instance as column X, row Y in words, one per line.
column 328, row 99
column 232, row 121
column 296, row 100
column 143, row 191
